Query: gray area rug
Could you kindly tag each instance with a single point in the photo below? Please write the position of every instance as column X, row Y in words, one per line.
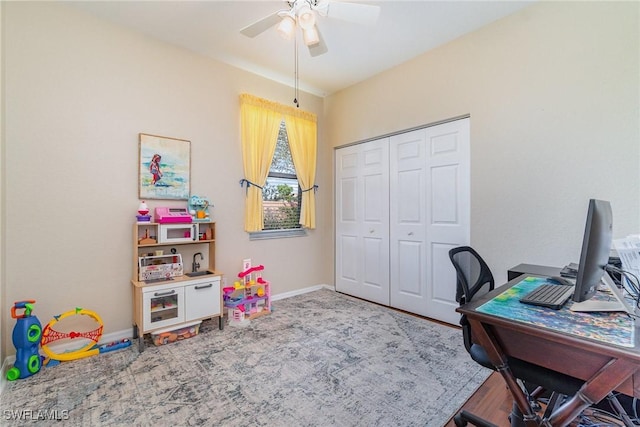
column 320, row 359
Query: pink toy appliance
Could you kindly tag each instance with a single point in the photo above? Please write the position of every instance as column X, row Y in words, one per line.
column 166, row 215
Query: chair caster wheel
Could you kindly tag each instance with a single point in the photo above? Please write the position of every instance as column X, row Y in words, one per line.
column 459, row 421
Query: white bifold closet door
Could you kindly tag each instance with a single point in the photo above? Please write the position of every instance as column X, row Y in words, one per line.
column 362, row 221
column 427, row 195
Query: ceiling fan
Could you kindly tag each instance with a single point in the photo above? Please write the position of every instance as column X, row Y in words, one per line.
column 303, row 13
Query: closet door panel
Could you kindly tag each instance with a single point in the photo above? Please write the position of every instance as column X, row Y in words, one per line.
column 410, row 256
column 448, row 216
column 442, row 274
column 408, row 211
column 362, row 221
column 348, row 200
column 374, row 200
column 349, row 249
column 374, row 231
column 374, row 272
column 444, row 201
column 347, row 240
column 408, row 260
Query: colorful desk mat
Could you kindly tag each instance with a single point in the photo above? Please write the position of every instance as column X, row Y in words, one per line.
column 612, row 328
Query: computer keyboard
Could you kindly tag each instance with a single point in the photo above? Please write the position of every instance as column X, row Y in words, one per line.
column 552, row 296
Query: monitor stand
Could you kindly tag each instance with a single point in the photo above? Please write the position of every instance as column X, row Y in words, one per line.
column 620, row 304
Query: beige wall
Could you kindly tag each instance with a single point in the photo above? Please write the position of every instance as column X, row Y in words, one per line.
column 3, row 169
column 554, row 97
column 552, row 91
column 78, row 92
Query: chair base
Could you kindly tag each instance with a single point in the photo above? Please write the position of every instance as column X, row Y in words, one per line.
column 463, row 418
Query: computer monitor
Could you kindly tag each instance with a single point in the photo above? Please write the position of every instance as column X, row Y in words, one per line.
column 596, row 245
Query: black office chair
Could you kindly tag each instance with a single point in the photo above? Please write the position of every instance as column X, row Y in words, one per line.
column 473, row 274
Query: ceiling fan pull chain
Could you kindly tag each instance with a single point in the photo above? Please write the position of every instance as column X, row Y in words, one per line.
column 295, row 71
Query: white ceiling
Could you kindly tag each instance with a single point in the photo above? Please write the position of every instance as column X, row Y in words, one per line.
column 404, row 30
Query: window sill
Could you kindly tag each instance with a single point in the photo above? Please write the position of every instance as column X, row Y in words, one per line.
column 277, row 234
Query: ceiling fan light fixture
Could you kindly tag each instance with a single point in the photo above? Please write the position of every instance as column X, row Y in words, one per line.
column 310, row 36
column 306, row 17
column 287, row 27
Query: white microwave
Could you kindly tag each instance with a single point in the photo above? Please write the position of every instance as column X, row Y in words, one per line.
column 177, row 233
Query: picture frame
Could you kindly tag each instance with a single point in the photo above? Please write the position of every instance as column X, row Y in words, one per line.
column 164, row 167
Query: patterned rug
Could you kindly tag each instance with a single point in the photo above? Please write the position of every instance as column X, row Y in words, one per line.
column 320, row 359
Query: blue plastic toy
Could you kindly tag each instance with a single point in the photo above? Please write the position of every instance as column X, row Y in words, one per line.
column 26, row 339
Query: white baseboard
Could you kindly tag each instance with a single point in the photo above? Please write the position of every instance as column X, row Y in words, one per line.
column 290, row 294
column 128, row 333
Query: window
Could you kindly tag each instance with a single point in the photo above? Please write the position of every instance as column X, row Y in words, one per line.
column 281, row 195
column 291, row 209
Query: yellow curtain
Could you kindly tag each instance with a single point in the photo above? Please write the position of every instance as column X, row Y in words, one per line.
column 260, row 125
column 259, row 134
column 303, row 140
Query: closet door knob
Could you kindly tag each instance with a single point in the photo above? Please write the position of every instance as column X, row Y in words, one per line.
column 410, row 233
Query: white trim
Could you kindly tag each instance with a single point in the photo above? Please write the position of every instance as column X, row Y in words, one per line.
column 8, row 361
column 277, row 234
column 127, row 333
column 301, row 291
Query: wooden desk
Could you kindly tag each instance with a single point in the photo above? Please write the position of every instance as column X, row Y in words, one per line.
column 605, row 367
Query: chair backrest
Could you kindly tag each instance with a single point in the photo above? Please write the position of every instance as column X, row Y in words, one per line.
column 471, row 271
column 472, row 274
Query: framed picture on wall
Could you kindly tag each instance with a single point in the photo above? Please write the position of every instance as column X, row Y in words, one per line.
column 164, row 167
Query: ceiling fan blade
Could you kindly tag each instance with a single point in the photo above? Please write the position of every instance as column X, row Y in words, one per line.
column 320, row 47
column 261, row 25
column 358, row 13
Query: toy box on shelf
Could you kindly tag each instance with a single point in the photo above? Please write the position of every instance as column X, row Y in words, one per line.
column 249, row 297
column 159, row 267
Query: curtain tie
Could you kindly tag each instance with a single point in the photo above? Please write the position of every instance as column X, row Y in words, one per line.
column 249, row 184
column 314, row 188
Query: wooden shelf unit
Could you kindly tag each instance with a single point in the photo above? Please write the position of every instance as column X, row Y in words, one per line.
column 186, row 299
column 152, row 230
